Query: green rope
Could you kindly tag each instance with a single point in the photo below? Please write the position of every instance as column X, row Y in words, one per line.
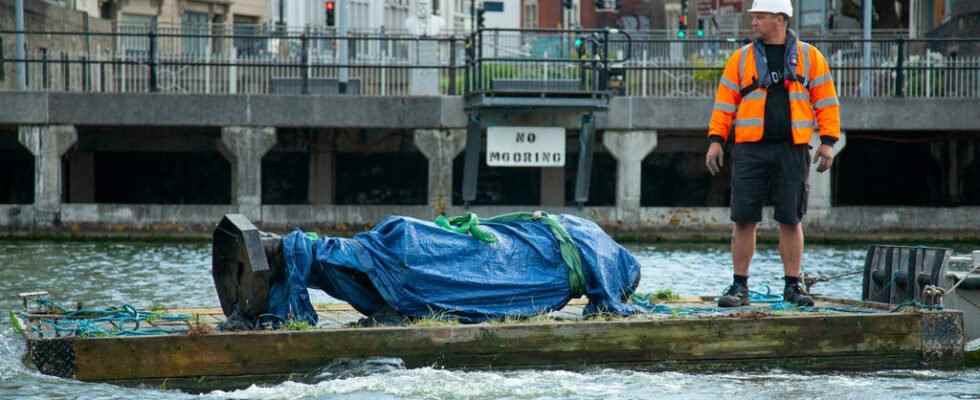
column 110, row 321
column 469, row 224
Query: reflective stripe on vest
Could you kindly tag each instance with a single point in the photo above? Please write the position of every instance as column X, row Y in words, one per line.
column 748, row 122
column 725, row 107
column 805, row 49
column 832, row 101
column 802, row 124
column 729, row 84
column 820, row 80
column 799, row 96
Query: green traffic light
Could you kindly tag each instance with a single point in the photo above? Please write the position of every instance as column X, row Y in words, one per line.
column 578, row 42
column 681, row 34
column 700, row 33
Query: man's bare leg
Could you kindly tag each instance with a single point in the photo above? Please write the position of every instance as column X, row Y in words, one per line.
column 791, row 248
column 743, row 247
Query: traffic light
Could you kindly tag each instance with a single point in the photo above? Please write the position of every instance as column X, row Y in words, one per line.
column 567, row 4
column 331, row 7
column 700, row 27
column 580, row 46
column 682, row 26
column 480, row 18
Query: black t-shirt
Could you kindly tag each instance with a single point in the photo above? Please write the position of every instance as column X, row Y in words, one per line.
column 777, row 122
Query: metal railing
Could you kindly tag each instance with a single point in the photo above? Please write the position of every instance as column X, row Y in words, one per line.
column 545, row 62
column 894, row 67
column 398, row 64
column 213, row 64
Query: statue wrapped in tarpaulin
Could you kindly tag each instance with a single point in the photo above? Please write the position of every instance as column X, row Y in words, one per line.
column 513, row 265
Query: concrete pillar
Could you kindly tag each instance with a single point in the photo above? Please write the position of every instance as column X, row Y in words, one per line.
column 81, row 177
column 820, row 183
column 244, row 147
column 553, row 187
column 440, row 146
column 47, row 144
column 323, row 169
column 629, row 148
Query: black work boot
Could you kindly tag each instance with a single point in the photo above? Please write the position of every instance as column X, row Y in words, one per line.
column 797, row 295
column 736, row 295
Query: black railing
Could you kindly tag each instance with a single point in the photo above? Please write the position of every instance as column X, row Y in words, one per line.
column 158, row 62
column 534, row 60
column 541, row 62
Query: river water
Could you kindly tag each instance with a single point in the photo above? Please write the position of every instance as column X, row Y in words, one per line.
column 178, row 274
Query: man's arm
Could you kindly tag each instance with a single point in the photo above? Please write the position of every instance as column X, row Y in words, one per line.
column 726, row 102
column 727, row 98
column 823, row 96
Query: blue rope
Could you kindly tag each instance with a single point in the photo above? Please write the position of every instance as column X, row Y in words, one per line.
column 767, row 297
column 772, row 303
column 110, row 321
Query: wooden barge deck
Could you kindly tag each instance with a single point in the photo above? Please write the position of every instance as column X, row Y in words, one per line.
column 849, row 336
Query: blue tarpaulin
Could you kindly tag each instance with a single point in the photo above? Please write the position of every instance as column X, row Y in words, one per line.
column 419, row 269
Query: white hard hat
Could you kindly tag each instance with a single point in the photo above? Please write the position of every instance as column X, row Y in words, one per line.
column 773, row 6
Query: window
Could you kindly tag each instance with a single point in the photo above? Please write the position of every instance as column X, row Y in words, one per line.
column 246, row 26
column 531, row 14
column 135, row 47
column 194, row 23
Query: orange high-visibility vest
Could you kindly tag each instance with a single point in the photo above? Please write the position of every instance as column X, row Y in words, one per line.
column 813, row 99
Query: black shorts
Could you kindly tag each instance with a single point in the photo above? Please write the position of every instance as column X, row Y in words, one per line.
column 770, row 173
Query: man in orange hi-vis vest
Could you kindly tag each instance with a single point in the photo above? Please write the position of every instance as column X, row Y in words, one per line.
column 777, row 93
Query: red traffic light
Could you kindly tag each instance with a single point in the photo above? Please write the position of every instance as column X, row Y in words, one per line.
column 329, row 5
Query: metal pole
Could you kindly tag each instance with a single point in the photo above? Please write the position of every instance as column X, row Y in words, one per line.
column 21, row 50
column 471, row 160
column 305, row 61
column 452, row 66
column 913, row 25
column 823, row 17
column 153, row 60
column 865, row 72
column 65, row 71
column 899, row 68
column 88, row 35
column 45, row 80
column 583, row 178
column 343, row 8
column 282, row 16
column 796, row 21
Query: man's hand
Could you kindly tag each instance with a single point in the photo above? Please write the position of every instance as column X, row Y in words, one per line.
column 715, row 158
column 824, row 157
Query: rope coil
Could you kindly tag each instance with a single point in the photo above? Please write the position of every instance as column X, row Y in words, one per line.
column 125, row 320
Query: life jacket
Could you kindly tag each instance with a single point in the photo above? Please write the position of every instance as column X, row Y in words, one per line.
column 741, row 96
